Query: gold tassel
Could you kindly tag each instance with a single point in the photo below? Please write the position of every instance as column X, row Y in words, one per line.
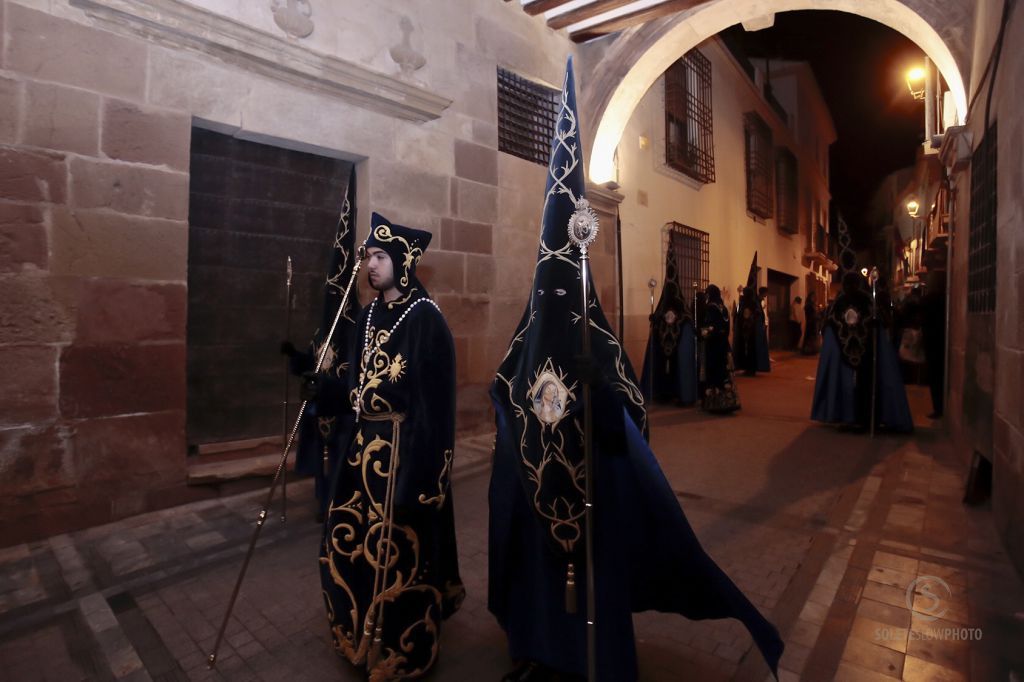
column 570, row 590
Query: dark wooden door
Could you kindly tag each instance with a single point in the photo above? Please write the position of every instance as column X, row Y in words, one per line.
column 779, row 301
column 250, row 207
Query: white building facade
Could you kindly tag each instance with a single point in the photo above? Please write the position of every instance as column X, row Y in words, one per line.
column 752, row 176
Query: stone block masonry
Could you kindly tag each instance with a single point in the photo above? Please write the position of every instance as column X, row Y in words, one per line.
column 93, row 253
column 96, row 124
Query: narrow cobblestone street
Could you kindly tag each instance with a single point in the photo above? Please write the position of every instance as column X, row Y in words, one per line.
column 840, row 539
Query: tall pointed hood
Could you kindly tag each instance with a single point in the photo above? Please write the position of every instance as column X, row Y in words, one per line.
column 752, row 274
column 535, row 393
column 672, row 297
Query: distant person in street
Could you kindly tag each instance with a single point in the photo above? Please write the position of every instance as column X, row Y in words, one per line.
column 762, row 299
column 796, row 319
column 810, row 340
column 745, row 334
column 933, row 328
column 761, row 352
column 909, row 335
column 719, row 391
column 388, row 562
column 858, row 361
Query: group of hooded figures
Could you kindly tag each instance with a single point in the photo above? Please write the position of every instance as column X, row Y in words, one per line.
column 689, row 358
column 694, row 347
column 379, row 438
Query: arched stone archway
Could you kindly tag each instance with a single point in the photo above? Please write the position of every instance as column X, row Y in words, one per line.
column 627, row 68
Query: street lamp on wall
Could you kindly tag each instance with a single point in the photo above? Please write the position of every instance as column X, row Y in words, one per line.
column 916, row 82
column 913, row 207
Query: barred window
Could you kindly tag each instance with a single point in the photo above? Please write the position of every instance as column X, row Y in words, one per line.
column 758, row 147
column 527, row 113
column 981, row 259
column 786, row 195
column 691, row 248
column 689, row 143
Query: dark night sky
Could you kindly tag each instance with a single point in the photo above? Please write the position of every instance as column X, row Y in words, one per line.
column 860, row 66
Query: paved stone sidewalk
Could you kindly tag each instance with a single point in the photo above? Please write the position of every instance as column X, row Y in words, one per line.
column 824, row 531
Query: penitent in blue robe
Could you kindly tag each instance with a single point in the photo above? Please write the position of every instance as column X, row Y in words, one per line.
column 764, row 363
column 674, row 376
column 646, row 556
column 835, row 389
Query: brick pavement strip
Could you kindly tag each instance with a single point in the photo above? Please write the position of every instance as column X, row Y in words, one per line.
column 823, row 530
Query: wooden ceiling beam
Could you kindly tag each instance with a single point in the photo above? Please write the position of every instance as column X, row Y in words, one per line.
column 539, row 6
column 585, row 12
column 633, row 19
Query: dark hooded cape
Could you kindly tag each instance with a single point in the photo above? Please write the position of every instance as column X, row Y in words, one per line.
column 750, row 342
column 670, row 361
column 646, row 554
column 719, row 390
column 843, row 384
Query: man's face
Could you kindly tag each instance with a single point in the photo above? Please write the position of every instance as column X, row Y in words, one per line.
column 380, row 270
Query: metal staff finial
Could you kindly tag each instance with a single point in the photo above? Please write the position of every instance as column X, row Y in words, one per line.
column 211, row 660
column 583, row 227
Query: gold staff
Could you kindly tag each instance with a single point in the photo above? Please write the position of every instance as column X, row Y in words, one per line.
column 212, row 659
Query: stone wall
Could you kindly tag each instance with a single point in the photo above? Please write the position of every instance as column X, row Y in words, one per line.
column 1008, row 377
column 96, row 114
column 93, row 248
column 987, row 350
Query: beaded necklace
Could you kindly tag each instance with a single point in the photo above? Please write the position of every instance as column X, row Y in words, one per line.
column 369, row 352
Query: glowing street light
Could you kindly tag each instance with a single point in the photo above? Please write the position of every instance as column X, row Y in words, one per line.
column 913, row 207
column 916, row 82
